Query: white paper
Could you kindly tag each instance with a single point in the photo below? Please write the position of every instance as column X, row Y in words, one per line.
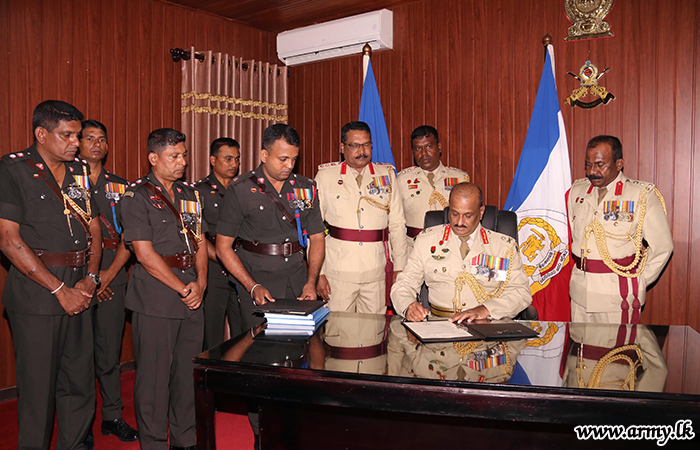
column 442, row 329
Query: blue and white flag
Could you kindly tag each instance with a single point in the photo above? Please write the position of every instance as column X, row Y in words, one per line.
column 537, row 195
column 372, row 114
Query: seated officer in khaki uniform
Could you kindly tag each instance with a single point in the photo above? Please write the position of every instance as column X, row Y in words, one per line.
column 472, row 273
column 426, row 187
column 621, row 239
column 365, row 223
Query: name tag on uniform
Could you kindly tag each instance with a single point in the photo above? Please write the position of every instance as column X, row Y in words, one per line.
column 491, row 267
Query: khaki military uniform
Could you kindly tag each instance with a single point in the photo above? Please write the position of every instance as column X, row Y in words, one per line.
column 419, row 197
column 627, row 357
column 356, row 270
column 356, row 343
column 436, row 260
column 599, row 295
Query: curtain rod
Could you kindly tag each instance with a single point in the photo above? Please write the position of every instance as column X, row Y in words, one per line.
column 178, row 54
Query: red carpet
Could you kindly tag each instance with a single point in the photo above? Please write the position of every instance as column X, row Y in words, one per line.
column 232, row 430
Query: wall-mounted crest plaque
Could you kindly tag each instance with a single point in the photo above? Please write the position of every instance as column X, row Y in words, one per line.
column 587, row 17
column 588, row 76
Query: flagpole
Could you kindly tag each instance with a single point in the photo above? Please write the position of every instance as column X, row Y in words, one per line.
column 366, row 55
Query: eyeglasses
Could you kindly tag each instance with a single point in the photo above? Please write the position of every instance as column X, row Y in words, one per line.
column 354, row 146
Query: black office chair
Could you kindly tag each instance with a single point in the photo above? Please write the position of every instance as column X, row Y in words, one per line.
column 505, row 222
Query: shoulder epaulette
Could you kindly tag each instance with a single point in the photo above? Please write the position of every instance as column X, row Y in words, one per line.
column 327, row 165
column 115, row 178
column 406, row 170
column 139, row 182
column 581, row 181
column 16, row 157
column 303, row 179
column 458, row 170
column 240, row 178
column 200, row 182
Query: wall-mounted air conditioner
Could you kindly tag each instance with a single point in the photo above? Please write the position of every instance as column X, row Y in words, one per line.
column 336, row 38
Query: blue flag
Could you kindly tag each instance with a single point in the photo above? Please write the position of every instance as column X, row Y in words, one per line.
column 372, row 114
column 537, row 196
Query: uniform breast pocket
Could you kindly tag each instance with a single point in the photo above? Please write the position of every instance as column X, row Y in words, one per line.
column 42, row 207
column 261, row 215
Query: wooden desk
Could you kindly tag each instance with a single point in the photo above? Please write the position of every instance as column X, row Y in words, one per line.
column 305, row 408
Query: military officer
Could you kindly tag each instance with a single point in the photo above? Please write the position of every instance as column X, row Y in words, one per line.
column 426, row 187
column 49, row 235
column 366, row 226
column 472, row 273
column 621, row 239
column 275, row 215
column 163, row 223
column 108, row 314
column 221, row 299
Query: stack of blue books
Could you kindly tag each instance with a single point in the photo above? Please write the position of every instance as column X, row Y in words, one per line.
column 293, row 317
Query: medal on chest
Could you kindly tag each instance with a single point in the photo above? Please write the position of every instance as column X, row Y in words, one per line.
column 379, row 185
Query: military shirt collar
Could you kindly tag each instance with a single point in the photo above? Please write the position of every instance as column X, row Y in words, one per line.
column 67, row 179
column 214, row 182
column 611, row 186
column 177, row 190
column 261, row 178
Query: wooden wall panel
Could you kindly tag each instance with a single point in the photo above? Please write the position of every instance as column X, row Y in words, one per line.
column 111, row 59
column 471, row 68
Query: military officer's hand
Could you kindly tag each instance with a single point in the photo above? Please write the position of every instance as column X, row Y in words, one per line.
column 73, row 300
column 261, row 295
column 87, row 285
column 415, row 312
column 479, row 313
column 308, row 292
column 396, row 275
column 104, row 293
column 195, row 296
column 323, row 288
column 412, row 338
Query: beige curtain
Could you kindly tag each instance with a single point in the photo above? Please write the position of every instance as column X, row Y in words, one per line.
column 225, row 96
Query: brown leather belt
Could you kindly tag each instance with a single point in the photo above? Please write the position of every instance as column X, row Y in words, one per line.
column 596, row 353
column 76, row 258
column 359, row 352
column 598, row 266
column 180, row 261
column 413, row 232
column 110, row 244
column 345, row 234
column 285, row 249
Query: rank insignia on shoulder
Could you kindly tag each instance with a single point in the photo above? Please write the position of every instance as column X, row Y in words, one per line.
column 128, row 194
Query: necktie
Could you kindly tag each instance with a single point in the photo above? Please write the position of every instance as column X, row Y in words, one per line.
column 359, row 180
column 601, row 193
column 464, row 247
column 431, row 179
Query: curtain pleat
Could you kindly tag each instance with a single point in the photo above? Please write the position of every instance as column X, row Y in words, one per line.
column 226, row 96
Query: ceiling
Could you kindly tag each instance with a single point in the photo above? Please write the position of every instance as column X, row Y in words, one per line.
column 281, row 15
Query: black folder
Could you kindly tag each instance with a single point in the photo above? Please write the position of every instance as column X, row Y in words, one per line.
column 289, row 306
column 443, row 331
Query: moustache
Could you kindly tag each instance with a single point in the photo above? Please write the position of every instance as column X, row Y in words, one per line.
column 594, row 177
column 360, row 156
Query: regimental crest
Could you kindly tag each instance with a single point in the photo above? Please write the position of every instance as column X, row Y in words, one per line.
column 587, row 19
column 542, row 249
column 588, row 76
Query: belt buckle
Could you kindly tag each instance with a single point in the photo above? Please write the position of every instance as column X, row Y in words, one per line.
column 287, row 249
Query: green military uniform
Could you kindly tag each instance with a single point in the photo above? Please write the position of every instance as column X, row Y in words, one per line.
column 221, row 298
column 627, row 357
column 108, row 319
column 54, row 351
column 419, row 195
column 251, row 215
column 355, row 269
column 611, row 234
column 491, row 274
column 167, row 334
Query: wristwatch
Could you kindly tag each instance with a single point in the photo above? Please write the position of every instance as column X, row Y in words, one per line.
column 95, row 277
